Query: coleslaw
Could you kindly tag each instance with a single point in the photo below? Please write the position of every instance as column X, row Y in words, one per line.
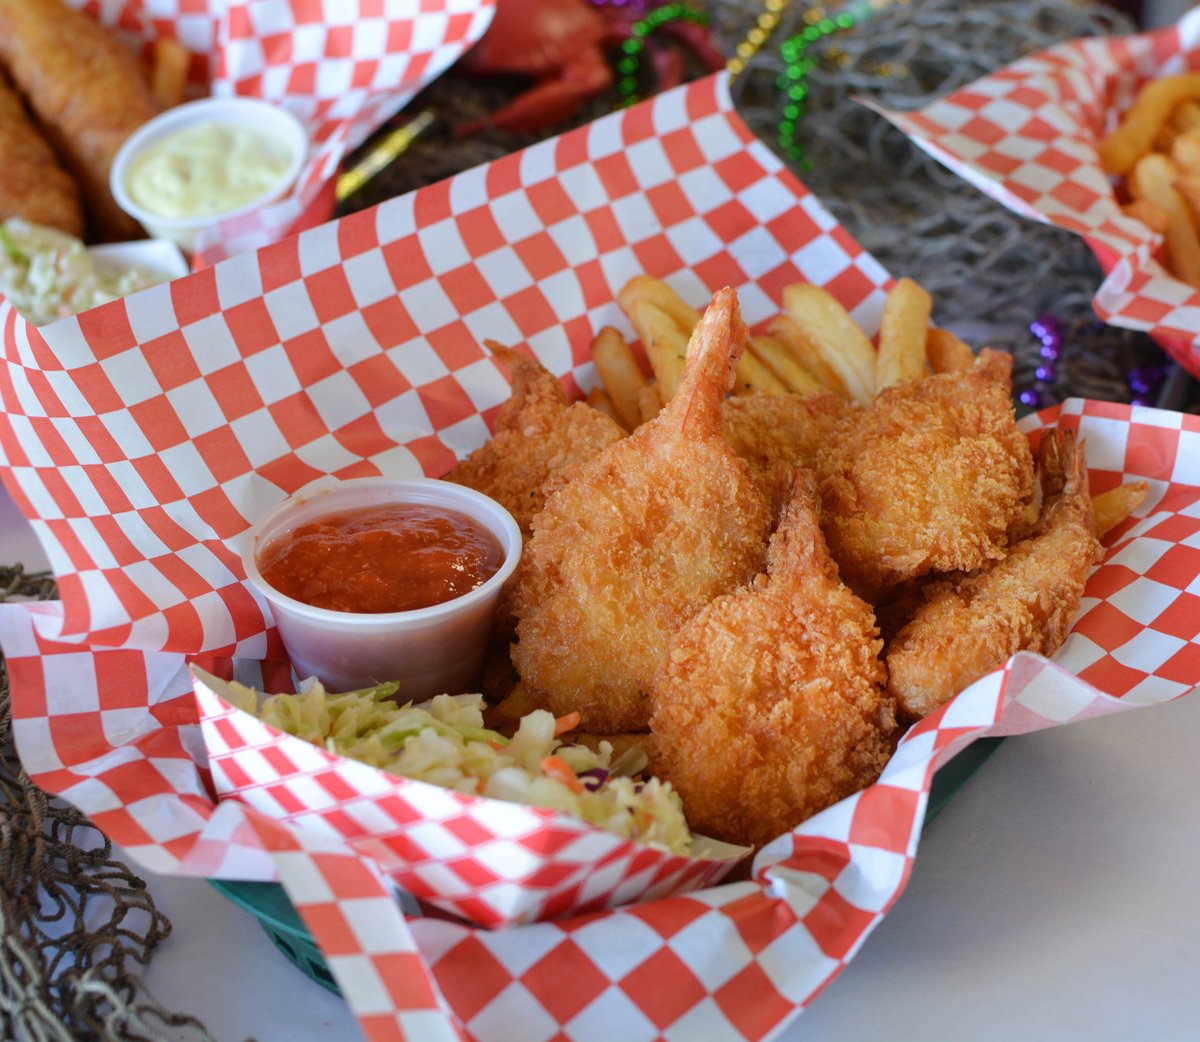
column 444, row 742
column 47, row 274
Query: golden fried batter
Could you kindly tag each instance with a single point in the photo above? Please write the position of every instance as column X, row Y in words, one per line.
column 88, row 92
column 930, row 478
column 636, row 542
column 33, row 185
column 767, row 430
column 968, row 627
column 537, row 436
column 771, row 706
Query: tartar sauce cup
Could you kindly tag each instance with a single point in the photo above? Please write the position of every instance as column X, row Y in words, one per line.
column 429, row 651
column 207, row 161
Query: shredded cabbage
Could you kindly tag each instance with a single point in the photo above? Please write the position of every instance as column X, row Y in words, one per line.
column 47, row 274
column 444, row 742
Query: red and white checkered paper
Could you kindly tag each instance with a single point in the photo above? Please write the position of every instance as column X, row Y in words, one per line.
column 342, row 66
column 487, row 861
column 1026, row 136
column 146, row 434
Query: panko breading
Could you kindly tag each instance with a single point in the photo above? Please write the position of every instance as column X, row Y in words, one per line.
column 538, row 435
column 970, row 626
column 771, row 704
column 930, row 478
column 636, row 542
column 767, row 430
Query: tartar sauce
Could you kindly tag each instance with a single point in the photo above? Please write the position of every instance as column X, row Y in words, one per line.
column 208, row 169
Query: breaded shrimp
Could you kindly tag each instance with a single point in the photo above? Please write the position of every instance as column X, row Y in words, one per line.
column 537, row 436
column 930, row 478
column 767, row 430
column 970, row 626
column 636, row 542
column 771, row 706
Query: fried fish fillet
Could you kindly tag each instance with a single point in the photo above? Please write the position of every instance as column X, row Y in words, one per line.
column 930, row 478
column 771, row 705
column 33, row 185
column 636, row 542
column 88, row 94
column 967, row 627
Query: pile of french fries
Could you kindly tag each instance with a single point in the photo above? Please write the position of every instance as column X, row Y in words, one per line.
column 814, row 346
column 1156, row 148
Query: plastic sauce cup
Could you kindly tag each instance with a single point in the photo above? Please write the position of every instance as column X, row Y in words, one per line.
column 251, row 113
column 429, row 651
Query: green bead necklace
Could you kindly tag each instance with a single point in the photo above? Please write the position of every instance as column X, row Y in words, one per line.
column 631, row 49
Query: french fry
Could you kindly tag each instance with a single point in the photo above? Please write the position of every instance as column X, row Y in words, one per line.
column 755, row 377
column 169, row 63
column 946, row 353
column 902, row 333
column 509, row 710
column 1165, row 139
column 658, row 293
column 1153, row 178
column 1121, row 149
column 1150, row 214
column 599, row 400
column 799, row 344
column 1185, row 116
column 835, row 336
column 621, row 375
column 1185, row 151
column 664, row 342
column 649, row 403
column 1188, row 186
column 784, row 364
column 1114, row 506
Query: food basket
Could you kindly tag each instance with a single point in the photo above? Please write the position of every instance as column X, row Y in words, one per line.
column 1026, row 135
column 353, row 348
column 342, row 68
column 269, row 904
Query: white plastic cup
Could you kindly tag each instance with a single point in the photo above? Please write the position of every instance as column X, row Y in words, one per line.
column 429, row 651
column 233, row 110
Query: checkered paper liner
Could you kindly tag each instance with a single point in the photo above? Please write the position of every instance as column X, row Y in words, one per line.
column 484, row 860
column 342, row 66
column 142, row 437
column 1026, row 136
column 115, row 730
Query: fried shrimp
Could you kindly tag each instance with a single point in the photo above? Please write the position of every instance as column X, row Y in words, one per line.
column 968, row 627
column 769, row 429
column 771, row 706
column 637, row 541
column 930, row 478
column 538, row 435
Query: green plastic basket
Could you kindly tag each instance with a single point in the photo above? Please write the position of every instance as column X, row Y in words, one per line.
column 268, row 903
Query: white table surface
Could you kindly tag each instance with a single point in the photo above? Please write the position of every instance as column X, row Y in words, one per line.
column 1053, row 898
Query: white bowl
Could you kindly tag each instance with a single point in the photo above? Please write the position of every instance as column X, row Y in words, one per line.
column 430, row 651
column 160, row 256
column 238, row 111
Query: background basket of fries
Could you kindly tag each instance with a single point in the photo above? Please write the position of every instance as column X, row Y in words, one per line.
column 361, row 349
column 1097, row 136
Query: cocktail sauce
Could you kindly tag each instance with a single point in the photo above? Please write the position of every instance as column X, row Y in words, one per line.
column 394, row 557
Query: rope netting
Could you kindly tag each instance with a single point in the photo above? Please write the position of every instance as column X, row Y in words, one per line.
column 77, row 923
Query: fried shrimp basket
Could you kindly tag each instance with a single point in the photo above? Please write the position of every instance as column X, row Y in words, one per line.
column 143, row 437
